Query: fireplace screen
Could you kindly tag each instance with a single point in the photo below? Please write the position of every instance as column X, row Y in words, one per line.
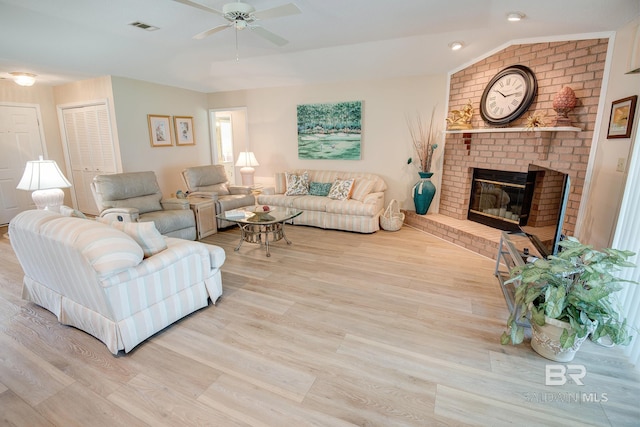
column 500, row 199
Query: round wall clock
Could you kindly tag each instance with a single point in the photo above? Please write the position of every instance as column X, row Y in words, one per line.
column 508, row 95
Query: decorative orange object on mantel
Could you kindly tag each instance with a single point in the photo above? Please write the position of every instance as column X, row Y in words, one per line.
column 564, row 101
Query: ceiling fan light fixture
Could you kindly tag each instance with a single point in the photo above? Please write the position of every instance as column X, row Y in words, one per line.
column 23, row 79
column 515, row 16
column 456, row 45
column 240, row 24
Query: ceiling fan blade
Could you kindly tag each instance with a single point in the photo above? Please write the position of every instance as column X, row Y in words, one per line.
column 278, row 11
column 199, row 6
column 273, row 38
column 211, row 31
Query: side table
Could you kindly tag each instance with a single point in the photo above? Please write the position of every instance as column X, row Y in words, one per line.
column 205, row 212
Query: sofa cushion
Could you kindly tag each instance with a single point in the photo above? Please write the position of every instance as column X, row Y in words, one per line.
column 310, row 203
column 341, row 189
column 170, row 220
column 138, row 190
column 297, row 184
column 280, row 182
column 320, row 188
column 222, row 189
column 145, row 234
column 200, row 178
column 361, row 187
column 106, row 249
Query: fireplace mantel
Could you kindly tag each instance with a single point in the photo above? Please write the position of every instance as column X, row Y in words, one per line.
column 544, row 135
column 520, row 129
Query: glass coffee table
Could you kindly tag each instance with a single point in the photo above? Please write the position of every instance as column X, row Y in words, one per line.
column 258, row 226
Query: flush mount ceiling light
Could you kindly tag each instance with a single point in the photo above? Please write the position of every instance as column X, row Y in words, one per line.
column 515, row 16
column 23, row 79
column 455, row 45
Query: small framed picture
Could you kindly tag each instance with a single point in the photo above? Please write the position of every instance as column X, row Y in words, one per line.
column 621, row 120
column 160, row 130
column 184, row 130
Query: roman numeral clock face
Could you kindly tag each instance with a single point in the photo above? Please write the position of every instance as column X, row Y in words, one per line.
column 508, row 95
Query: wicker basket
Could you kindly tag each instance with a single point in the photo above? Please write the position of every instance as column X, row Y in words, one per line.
column 392, row 218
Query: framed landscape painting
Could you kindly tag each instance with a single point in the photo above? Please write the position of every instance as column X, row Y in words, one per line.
column 330, row 131
column 621, row 120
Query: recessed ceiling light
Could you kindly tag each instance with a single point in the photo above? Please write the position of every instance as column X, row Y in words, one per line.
column 456, row 45
column 515, row 16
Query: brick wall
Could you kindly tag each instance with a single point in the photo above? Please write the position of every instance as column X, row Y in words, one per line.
column 578, row 64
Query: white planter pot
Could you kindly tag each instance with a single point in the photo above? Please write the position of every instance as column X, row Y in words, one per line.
column 545, row 340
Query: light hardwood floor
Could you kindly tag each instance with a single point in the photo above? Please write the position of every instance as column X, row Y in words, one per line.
column 338, row 329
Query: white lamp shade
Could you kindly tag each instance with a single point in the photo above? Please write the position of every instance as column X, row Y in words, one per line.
column 42, row 175
column 247, row 158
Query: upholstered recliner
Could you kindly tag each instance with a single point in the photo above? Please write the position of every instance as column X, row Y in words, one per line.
column 211, row 181
column 136, row 196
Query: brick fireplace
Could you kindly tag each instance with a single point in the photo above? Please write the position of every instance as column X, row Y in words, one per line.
column 578, row 64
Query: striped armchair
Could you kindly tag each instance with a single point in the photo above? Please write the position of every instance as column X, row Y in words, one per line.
column 95, row 277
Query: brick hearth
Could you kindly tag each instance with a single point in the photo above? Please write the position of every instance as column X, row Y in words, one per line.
column 471, row 235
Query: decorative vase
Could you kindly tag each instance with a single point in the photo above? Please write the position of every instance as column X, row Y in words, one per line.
column 545, row 340
column 423, row 192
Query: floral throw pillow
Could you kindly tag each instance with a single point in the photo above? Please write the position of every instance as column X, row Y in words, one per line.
column 297, row 184
column 341, row 189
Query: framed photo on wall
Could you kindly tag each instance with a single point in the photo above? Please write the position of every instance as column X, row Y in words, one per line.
column 621, row 120
column 184, row 130
column 160, row 130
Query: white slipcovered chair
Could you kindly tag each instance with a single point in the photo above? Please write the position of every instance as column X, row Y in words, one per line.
column 121, row 283
column 136, row 196
column 211, row 181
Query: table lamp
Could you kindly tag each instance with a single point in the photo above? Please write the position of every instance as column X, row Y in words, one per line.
column 247, row 160
column 45, row 179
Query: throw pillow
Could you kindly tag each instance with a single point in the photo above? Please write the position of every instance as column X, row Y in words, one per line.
column 341, row 189
column 361, row 188
column 320, row 188
column 67, row 211
column 297, row 184
column 145, row 234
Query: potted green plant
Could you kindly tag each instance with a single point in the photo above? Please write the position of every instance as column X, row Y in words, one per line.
column 566, row 297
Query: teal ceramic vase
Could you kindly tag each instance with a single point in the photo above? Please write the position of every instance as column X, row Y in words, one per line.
column 423, row 192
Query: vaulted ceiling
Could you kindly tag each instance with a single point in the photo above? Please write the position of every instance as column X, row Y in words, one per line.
column 331, row 40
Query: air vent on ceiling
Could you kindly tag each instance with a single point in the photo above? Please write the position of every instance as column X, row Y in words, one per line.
column 144, row 26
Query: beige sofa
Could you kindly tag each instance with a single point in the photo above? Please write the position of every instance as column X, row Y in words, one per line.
column 96, row 277
column 360, row 212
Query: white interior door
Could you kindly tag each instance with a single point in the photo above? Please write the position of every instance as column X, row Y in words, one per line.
column 228, row 138
column 20, row 140
column 90, row 150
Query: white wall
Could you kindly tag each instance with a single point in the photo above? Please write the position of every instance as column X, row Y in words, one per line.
column 606, row 186
column 386, row 144
column 134, row 99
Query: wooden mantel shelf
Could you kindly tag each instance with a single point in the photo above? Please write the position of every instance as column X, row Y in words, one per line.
column 543, row 135
column 522, row 129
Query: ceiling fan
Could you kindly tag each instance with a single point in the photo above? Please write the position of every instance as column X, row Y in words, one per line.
column 242, row 15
